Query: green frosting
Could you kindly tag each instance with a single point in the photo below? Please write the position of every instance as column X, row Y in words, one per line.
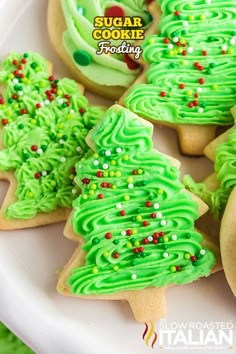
column 102, row 69
column 45, row 122
column 225, row 168
column 10, row 344
column 192, row 78
column 136, row 219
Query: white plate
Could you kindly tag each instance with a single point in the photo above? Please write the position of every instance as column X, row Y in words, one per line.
column 29, row 304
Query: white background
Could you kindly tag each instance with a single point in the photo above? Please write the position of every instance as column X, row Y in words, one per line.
column 29, row 259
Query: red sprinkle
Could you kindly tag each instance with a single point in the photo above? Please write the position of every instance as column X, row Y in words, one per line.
column 204, row 52
column 163, row 94
column 16, row 73
column 4, row 121
column 109, row 185
column 115, row 255
column 184, row 53
column 148, row 204
column 20, row 67
column 23, row 111
column 132, row 64
column 100, row 196
column 135, row 250
column 190, row 104
column 223, row 51
column 34, row 147
column 153, row 215
column 140, row 249
column 51, row 78
column 114, row 11
column 134, row 172
column 156, row 235
column 24, row 61
column 178, row 268
column 37, row 175
column 145, row 223
column 81, row 110
column 67, row 96
column 108, row 235
column 73, row 170
column 145, row 241
column 15, row 62
column 129, row 232
column 161, row 233
column 15, row 96
column 193, row 258
column 103, row 184
column 177, row 13
column 195, row 103
column 53, row 90
column 196, row 65
column 181, row 86
column 201, row 81
column 99, row 174
column 38, row 105
column 2, row 100
column 86, row 181
column 196, row 95
column 154, row 241
column 122, row 213
column 166, row 40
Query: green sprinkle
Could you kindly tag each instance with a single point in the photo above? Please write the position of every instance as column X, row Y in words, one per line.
column 95, row 241
column 82, row 57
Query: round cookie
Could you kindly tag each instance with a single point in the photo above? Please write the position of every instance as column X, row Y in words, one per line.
column 190, row 83
column 70, row 26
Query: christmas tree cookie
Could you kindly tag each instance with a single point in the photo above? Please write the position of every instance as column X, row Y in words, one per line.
column 219, row 192
column 44, row 122
column 133, row 219
column 71, row 26
column 190, row 83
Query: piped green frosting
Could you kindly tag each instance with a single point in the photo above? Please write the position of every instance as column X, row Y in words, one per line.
column 44, row 125
column 191, row 78
column 134, row 215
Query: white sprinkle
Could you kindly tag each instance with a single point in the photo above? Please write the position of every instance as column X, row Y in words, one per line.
column 79, row 166
column 232, row 41
column 95, row 162
column 44, row 173
column 163, row 222
column 150, row 238
column 185, row 23
column 170, row 46
column 156, row 206
column 159, row 215
column 165, row 254
column 63, row 159
column 78, row 149
column 123, row 233
column 20, row 93
column 200, row 110
column 72, row 111
column 175, row 39
column 107, row 153
column 60, row 100
column 202, row 252
column 46, row 102
column 74, row 191
column 199, row 89
column 105, row 166
column 118, row 205
column 40, row 151
column 224, row 47
column 15, row 81
column 134, row 276
column 174, row 237
column 61, row 141
column 190, row 49
column 130, row 186
column 42, row 104
column 118, row 150
column 208, row 2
